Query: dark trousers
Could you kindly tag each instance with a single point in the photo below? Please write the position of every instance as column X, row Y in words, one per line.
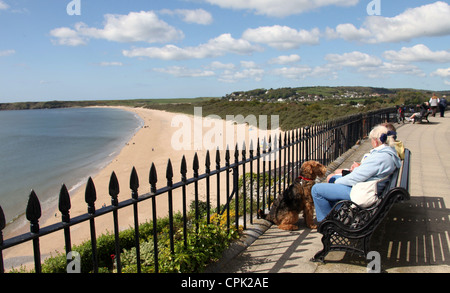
column 442, row 110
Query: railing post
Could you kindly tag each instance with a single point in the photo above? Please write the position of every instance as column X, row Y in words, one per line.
column 227, row 164
column 275, row 167
column 208, row 195
column 284, row 163
column 279, row 163
column 244, row 188
column 153, row 179
column 114, row 190
column 134, row 186
column 307, row 135
column 2, row 226
column 289, row 168
column 270, row 170
column 236, row 184
column 169, row 177
column 90, row 198
column 218, row 179
column 183, row 171
column 251, row 181
column 258, row 172
column 264, row 174
column 64, row 206
column 33, row 214
column 195, row 167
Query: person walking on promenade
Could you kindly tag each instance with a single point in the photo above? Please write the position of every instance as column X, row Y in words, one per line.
column 442, row 105
column 434, row 102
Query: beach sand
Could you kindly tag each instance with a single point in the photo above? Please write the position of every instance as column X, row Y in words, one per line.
column 153, row 143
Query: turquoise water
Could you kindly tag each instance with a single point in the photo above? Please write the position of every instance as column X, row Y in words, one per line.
column 42, row 149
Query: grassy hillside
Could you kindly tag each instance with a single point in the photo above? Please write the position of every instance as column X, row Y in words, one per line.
column 295, row 107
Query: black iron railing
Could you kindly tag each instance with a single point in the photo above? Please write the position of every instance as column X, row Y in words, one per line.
column 277, row 162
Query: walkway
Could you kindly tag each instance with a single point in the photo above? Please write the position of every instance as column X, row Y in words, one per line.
column 414, row 238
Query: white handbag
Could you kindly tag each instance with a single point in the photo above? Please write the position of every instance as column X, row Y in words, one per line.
column 364, row 194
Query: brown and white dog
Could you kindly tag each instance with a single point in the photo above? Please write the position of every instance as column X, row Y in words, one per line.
column 296, row 198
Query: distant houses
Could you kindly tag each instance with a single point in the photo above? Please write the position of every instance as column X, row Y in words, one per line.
column 294, row 95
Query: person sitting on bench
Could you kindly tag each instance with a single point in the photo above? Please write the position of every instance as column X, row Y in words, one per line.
column 381, row 162
column 423, row 114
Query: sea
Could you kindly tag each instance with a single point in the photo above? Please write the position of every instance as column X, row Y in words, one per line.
column 42, row 149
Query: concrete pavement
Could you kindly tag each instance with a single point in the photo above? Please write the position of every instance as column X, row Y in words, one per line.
column 414, row 238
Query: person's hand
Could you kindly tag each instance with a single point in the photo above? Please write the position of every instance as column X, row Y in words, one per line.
column 354, row 165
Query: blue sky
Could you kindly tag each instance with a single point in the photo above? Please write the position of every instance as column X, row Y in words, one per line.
column 199, row 48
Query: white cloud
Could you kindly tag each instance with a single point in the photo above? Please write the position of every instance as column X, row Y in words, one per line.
column 348, row 32
column 67, row 37
column 354, row 59
column 279, row 8
column 7, row 53
column 219, row 65
column 442, row 72
column 282, row 37
column 108, row 64
column 3, row 5
column 304, row 71
column 219, row 46
column 394, row 68
column 387, row 69
column 180, row 71
column 297, row 72
column 198, row 16
column 134, row 27
column 418, row 53
column 285, row 59
column 373, row 66
column 247, row 73
column 229, row 73
column 423, row 21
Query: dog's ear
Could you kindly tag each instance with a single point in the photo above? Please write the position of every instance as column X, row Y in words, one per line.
column 306, row 169
column 320, row 170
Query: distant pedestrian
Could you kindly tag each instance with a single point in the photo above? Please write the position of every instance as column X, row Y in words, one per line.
column 442, row 105
column 434, row 102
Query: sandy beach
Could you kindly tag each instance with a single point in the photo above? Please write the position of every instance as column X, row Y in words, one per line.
column 164, row 136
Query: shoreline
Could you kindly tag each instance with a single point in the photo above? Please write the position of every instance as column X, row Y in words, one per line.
column 19, row 225
column 151, row 143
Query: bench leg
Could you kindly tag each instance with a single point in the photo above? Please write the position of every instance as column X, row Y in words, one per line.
column 319, row 256
column 326, row 242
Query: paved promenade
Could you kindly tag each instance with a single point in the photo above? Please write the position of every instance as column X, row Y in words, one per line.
column 414, row 238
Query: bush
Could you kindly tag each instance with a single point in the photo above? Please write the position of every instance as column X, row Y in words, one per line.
column 202, row 248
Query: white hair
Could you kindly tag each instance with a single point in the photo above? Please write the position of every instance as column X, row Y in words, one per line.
column 377, row 133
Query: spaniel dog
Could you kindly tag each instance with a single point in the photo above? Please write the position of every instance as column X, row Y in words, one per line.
column 287, row 207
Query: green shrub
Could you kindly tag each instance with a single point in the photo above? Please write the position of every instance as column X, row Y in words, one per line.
column 202, row 248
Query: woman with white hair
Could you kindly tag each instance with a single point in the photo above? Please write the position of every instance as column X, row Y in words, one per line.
column 380, row 163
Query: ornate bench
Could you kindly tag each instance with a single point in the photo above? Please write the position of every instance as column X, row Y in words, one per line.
column 349, row 227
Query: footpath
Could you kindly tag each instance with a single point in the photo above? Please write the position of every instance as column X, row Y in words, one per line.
column 414, row 238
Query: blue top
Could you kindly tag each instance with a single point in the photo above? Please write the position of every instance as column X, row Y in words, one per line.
column 382, row 161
